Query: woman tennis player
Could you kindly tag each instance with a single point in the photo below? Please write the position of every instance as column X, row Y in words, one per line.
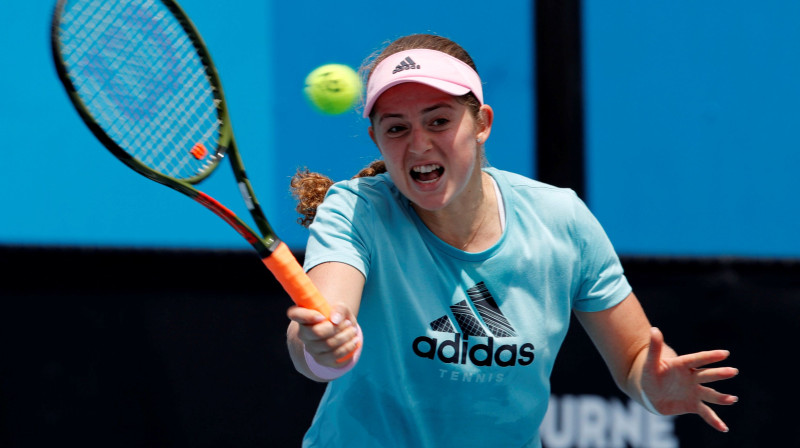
column 453, row 282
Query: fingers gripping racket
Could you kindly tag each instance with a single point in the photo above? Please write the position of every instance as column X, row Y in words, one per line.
column 140, row 76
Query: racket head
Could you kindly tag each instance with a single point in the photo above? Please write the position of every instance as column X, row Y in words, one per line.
column 142, row 80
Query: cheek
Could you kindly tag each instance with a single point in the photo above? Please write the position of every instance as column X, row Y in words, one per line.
column 395, row 170
column 392, row 158
column 467, row 152
column 386, row 153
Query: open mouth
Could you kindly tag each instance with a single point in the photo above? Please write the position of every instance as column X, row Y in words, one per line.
column 427, row 173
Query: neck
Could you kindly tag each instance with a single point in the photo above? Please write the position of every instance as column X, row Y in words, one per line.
column 472, row 225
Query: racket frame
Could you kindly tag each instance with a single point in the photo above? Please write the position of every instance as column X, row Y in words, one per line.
column 226, row 145
column 274, row 253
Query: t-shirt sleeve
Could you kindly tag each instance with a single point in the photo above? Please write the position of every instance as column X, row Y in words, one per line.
column 602, row 283
column 337, row 235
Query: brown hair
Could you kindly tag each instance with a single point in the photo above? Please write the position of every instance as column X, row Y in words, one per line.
column 310, row 188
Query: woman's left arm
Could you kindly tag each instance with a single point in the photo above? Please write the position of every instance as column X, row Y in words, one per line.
column 649, row 371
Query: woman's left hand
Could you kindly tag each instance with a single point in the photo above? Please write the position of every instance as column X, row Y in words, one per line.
column 676, row 384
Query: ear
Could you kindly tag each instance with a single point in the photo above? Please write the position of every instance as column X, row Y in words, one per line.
column 484, row 125
column 371, row 132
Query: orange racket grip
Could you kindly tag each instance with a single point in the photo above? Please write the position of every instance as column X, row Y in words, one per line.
column 290, row 274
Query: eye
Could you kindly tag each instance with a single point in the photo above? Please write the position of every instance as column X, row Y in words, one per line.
column 395, row 130
column 439, row 122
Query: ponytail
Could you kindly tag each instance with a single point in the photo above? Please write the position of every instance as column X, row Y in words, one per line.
column 309, row 189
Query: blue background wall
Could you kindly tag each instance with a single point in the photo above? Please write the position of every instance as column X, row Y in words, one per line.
column 691, row 121
column 692, row 125
column 60, row 187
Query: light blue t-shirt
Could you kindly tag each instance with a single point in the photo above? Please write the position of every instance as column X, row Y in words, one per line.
column 458, row 347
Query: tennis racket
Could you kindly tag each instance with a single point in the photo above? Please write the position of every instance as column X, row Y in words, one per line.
column 142, row 80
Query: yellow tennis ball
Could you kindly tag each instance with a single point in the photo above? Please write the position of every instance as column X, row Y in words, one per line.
column 333, row 88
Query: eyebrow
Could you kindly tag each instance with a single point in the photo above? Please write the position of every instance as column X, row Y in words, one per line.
column 424, row 111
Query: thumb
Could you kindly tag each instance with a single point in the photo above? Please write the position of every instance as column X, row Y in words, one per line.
column 654, row 350
column 341, row 313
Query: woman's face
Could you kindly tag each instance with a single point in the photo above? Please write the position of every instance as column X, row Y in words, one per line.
column 428, row 140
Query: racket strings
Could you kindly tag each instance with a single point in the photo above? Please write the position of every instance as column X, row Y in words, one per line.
column 138, row 73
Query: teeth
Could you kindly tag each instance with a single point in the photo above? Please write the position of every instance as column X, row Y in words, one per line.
column 425, row 168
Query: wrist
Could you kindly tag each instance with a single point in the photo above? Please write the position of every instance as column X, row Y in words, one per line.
column 648, row 405
column 331, row 373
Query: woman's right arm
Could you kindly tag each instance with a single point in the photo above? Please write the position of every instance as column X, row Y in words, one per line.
column 329, row 342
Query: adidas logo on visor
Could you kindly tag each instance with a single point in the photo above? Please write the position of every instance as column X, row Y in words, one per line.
column 406, row 64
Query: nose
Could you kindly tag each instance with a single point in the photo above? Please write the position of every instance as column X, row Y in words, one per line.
column 420, row 141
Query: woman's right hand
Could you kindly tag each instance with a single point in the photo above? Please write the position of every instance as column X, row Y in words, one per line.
column 330, row 342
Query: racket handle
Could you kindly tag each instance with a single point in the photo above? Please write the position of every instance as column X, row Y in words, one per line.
column 295, row 281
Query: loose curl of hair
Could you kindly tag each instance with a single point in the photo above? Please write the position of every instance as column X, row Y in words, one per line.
column 310, row 188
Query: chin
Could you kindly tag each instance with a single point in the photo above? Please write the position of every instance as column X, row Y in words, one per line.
column 429, row 202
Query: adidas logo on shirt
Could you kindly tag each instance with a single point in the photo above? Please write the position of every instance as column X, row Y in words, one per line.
column 462, row 347
column 406, row 64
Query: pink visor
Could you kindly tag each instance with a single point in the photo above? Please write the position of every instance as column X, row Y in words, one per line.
column 430, row 67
